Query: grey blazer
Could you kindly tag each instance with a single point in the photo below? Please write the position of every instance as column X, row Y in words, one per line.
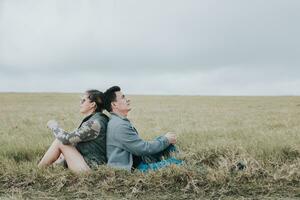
column 123, row 141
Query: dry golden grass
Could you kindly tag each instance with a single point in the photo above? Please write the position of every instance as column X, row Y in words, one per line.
column 214, row 135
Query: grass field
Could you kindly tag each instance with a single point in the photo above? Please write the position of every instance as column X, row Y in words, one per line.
column 215, row 134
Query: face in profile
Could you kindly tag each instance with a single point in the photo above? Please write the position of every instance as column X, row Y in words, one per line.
column 122, row 104
column 86, row 105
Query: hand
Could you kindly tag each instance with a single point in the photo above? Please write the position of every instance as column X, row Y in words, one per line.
column 171, row 137
column 52, row 124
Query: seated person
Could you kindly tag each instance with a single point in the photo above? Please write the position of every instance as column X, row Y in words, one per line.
column 125, row 149
column 85, row 147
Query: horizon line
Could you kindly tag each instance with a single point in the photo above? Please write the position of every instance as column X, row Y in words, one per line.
column 156, row 94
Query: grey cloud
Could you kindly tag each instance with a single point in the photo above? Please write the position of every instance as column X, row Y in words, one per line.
column 151, row 39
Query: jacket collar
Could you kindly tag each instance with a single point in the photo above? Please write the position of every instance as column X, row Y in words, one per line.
column 108, row 114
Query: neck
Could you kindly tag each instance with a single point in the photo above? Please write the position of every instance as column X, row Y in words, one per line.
column 89, row 113
column 120, row 113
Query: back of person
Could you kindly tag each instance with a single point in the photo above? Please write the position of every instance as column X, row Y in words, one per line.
column 94, row 151
column 116, row 154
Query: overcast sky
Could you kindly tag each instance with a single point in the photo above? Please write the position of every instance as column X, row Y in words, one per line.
column 200, row 47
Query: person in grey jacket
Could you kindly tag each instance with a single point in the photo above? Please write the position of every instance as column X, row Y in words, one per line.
column 124, row 146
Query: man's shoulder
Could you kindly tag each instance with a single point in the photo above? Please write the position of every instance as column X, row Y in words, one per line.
column 117, row 120
column 118, row 126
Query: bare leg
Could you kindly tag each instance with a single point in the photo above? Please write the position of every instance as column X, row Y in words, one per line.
column 51, row 155
column 74, row 159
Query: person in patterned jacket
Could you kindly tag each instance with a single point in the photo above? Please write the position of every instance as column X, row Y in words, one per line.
column 85, row 147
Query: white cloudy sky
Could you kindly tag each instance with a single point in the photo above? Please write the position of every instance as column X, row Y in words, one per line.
column 194, row 47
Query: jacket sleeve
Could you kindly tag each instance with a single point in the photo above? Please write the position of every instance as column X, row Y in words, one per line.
column 89, row 130
column 132, row 143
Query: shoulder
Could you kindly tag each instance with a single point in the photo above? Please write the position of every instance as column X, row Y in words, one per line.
column 100, row 117
column 116, row 120
column 119, row 125
column 92, row 124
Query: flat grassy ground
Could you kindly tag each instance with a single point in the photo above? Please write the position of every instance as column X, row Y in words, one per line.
column 215, row 134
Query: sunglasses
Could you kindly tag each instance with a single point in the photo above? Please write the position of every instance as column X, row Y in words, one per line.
column 83, row 100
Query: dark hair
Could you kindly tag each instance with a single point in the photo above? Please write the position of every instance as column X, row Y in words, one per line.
column 97, row 97
column 110, row 96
